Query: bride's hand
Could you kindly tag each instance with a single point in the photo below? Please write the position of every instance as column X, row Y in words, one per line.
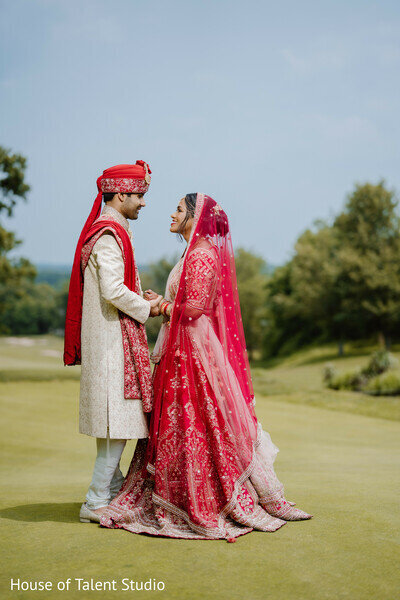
column 150, row 295
column 155, row 306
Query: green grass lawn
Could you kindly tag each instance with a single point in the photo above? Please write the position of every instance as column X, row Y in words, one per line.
column 340, row 465
column 298, row 379
column 37, row 358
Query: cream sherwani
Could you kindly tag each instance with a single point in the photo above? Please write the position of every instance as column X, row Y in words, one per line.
column 102, row 404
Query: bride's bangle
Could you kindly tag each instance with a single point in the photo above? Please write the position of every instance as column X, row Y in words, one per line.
column 163, row 308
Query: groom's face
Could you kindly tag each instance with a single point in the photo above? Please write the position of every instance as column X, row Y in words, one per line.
column 132, row 205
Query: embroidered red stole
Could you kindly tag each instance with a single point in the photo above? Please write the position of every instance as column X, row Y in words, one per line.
column 137, row 370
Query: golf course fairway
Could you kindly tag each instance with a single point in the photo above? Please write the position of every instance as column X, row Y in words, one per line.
column 341, row 467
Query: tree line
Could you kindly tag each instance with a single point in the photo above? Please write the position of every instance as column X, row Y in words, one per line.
column 342, row 281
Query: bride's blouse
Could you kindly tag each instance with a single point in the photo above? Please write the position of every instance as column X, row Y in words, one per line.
column 201, row 271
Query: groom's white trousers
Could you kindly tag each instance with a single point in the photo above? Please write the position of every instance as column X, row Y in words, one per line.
column 107, row 477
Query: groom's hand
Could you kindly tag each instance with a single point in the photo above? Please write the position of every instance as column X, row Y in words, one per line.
column 155, row 306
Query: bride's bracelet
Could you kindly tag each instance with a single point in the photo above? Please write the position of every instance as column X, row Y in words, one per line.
column 163, row 308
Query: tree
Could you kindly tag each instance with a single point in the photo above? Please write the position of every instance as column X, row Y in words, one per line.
column 14, row 273
column 344, row 279
column 369, row 238
column 288, row 324
column 12, row 181
column 317, row 269
column 252, row 279
column 32, row 309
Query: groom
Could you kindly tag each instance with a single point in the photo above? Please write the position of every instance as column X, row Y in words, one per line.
column 104, row 330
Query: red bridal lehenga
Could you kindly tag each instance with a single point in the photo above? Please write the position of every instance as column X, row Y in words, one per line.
column 206, row 470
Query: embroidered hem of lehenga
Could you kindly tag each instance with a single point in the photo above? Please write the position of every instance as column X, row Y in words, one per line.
column 227, row 526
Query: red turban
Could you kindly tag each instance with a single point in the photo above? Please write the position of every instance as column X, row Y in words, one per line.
column 126, row 179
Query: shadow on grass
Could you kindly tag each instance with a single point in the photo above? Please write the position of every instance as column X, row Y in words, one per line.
column 35, row 513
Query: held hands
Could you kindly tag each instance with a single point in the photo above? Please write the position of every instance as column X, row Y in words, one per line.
column 155, row 301
column 161, row 307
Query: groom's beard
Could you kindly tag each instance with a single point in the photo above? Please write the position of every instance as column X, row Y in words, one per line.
column 135, row 215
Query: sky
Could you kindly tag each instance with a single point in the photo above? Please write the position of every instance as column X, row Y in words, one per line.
column 276, row 110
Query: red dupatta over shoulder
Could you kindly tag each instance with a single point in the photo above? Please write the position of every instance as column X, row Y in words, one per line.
column 73, row 321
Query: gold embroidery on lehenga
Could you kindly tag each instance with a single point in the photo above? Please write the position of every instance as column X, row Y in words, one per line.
column 202, row 490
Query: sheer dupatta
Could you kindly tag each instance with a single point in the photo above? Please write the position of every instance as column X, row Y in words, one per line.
column 206, row 328
column 206, row 471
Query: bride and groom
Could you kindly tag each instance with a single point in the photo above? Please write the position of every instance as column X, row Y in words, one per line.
column 203, row 466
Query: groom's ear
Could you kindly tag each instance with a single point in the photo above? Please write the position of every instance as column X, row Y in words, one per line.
column 121, row 197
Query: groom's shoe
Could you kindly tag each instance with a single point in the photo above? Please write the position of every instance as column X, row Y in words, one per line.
column 87, row 516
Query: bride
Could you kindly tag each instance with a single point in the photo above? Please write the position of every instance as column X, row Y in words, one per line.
column 206, row 470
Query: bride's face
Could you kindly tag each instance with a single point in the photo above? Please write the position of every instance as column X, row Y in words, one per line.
column 178, row 217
